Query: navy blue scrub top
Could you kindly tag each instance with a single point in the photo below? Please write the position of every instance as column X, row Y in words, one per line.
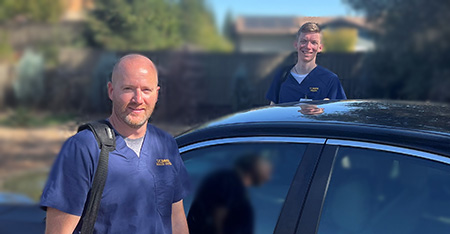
column 139, row 191
column 320, row 83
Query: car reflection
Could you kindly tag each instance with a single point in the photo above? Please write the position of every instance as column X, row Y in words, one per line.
column 308, row 109
column 222, row 204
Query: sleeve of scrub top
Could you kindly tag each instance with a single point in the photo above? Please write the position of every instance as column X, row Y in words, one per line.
column 336, row 90
column 182, row 183
column 70, row 178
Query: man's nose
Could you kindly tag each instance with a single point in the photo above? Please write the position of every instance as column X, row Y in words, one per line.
column 137, row 96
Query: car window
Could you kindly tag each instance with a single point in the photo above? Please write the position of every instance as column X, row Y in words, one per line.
column 266, row 199
column 380, row 192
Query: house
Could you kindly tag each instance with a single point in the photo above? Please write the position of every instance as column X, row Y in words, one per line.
column 272, row 34
column 365, row 31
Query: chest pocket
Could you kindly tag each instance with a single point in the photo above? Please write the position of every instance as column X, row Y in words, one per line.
column 165, row 185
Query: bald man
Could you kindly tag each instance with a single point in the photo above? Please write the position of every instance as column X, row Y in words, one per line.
column 146, row 180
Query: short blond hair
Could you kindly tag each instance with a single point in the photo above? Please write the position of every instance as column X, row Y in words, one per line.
column 308, row 27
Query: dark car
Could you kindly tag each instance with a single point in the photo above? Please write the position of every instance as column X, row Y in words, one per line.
column 20, row 215
column 338, row 167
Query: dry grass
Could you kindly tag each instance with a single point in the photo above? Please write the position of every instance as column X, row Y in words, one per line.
column 29, row 149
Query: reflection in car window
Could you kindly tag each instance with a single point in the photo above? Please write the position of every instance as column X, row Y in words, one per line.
column 260, row 204
column 379, row 192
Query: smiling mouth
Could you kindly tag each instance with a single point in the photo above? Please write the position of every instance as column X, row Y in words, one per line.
column 136, row 109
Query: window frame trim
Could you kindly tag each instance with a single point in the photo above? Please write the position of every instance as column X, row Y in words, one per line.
column 312, row 152
column 389, row 148
column 264, row 139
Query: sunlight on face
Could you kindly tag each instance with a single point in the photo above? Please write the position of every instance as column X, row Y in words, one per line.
column 134, row 92
column 308, row 45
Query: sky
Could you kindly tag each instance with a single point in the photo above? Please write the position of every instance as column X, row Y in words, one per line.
column 278, row 8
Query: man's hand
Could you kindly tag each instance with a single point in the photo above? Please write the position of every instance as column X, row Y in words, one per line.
column 58, row 222
column 179, row 223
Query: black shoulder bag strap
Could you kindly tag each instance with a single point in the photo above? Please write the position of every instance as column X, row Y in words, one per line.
column 285, row 73
column 105, row 137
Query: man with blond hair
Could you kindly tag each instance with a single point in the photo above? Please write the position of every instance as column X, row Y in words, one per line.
column 146, row 180
column 305, row 80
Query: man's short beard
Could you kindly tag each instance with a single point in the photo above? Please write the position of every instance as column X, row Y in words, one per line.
column 135, row 125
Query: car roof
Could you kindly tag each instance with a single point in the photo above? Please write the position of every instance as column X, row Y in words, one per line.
column 416, row 125
column 416, row 116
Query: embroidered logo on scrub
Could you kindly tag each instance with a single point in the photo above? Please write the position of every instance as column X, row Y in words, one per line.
column 163, row 162
column 313, row 89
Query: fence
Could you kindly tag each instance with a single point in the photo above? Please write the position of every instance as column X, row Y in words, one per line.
column 194, row 86
column 204, row 84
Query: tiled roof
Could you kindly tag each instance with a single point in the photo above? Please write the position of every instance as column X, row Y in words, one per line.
column 286, row 24
column 272, row 24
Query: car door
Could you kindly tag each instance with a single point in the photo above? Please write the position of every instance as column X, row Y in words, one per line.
column 362, row 187
column 285, row 154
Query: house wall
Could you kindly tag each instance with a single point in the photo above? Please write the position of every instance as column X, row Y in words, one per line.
column 284, row 43
column 364, row 44
column 24, row 35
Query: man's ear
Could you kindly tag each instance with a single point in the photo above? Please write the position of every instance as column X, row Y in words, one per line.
column 320, row 47
column 110, row 90
column 157, row 93
column 295, row 44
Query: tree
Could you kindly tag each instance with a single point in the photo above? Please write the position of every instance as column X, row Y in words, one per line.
column 339, row 40
column 413, row 50
column 198, row 28
column 154, row 25
column 134, row 24
column 35, row 10
column 228, row 27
